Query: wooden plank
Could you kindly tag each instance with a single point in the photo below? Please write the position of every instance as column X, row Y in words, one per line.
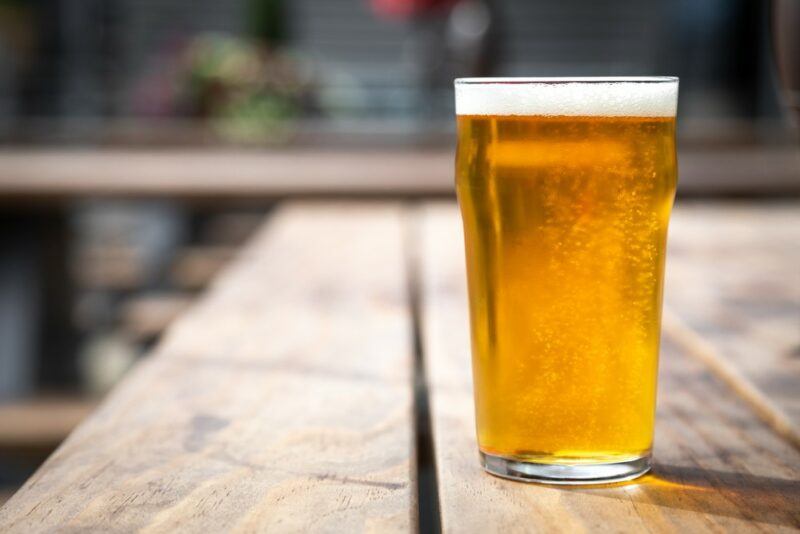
column 117, row 267
column 759, row 400
column 222, row 175
column 39, row 424
column 733, row 297
column 147, row 315
column 281, row 401
column 718, row 467
column 238, row 175
column 194, row 267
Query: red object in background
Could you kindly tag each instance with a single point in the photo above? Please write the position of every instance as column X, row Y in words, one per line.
column 404, row 9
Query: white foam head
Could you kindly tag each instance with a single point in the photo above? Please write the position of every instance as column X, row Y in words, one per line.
column 597, row 97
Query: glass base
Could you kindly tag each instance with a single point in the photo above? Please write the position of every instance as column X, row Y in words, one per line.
column 565, row 473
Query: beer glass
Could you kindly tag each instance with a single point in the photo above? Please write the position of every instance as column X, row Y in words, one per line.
column 565, row 187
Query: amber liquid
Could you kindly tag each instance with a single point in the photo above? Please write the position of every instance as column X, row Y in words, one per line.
column 565, row 223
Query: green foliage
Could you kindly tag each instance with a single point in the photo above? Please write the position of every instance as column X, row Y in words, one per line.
column 247, row 91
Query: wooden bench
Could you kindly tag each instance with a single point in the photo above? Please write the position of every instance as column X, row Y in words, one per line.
column 213, row 176
column 284, row 399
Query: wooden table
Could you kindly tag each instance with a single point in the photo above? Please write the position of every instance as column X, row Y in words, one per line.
column 285, row 399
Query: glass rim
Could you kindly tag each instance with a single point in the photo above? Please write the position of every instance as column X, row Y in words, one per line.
column 511, row 80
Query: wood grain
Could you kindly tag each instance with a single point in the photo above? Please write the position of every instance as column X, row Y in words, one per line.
column 733, row 280
column 282, row 401
column 240, row 175
column 718, row 467
column 759, row 401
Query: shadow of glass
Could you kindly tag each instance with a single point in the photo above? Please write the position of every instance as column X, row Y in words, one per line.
column 754, row 498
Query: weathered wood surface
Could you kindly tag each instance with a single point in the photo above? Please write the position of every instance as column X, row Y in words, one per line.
column 219, row 175
column 734, row 280
column 281, row 402
column 718, row 466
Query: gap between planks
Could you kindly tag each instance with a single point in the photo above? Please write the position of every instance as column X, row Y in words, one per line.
column 428, row 505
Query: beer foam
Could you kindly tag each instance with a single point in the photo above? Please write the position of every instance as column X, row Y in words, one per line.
column 597, row 97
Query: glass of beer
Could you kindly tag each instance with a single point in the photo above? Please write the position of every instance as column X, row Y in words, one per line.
column 565, row 187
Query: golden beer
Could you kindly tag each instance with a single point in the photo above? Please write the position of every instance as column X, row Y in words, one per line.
column 565, row 224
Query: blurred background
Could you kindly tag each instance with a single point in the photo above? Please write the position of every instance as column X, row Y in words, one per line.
column 117, row 115
column 279, row 71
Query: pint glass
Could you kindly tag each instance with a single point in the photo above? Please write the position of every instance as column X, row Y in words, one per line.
column 565, row 187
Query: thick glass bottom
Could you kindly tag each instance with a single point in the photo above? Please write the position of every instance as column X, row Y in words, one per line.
column 565, row 473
